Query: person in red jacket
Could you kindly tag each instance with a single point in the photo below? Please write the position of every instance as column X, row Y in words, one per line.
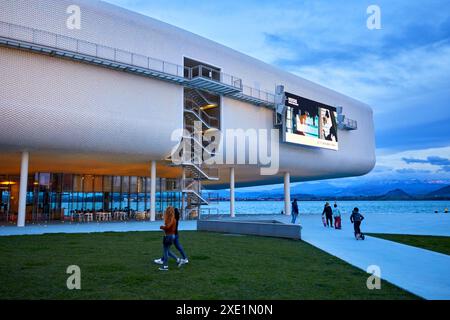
column 170, row 229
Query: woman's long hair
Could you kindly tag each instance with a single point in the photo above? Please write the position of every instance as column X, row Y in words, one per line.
column 169, row 215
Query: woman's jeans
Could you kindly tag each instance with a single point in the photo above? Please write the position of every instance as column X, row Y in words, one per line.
column 294, row 217
column 177, row 244
column 167, row 242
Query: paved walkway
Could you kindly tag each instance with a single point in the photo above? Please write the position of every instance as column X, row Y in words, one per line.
column 422, row 272
column 34, row 229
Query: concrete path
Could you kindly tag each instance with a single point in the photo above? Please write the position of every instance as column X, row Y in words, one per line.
column 420, row 271
column 34, row 229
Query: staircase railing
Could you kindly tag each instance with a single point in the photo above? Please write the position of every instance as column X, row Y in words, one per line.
column 215, row 75
column 199, row 144
column 209, row 121
column 198, row 97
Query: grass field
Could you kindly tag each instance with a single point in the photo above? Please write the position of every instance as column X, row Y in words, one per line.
column 433, row 243
column 118, row 266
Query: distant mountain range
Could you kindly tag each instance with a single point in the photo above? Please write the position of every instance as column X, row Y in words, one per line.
column 442, row 192
column 326, row 191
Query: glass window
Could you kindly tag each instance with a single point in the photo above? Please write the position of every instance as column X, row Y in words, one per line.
column 134, row 193
column 117, row 190
column 125, row 199
column 107, row 193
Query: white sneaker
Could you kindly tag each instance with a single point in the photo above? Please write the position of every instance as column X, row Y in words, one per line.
column 183, row 261
column 178, row 260
column 158, row 261
column 163, row 268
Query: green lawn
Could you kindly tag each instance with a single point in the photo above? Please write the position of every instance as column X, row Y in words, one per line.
column 433, row 243
column 118, row 266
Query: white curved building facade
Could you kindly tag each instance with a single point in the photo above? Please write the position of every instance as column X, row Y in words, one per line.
column 104, row 100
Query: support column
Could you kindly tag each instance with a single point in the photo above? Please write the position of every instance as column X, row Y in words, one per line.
column 183, row 195
column 232, row 212
column 23, row 189
column 153, row 191
column 287, row 194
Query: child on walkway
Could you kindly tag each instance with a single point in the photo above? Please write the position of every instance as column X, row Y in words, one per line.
column 337, row 217
column 328, row 213
column 356, row 218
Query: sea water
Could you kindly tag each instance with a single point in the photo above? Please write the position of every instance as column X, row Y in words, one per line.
column 346, row 207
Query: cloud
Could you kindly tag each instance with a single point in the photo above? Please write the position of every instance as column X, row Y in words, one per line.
column 381, row 169
column 402, row 70
column 433, row 160
column 411, row 171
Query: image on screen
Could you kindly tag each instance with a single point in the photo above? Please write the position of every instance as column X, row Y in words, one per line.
column 310, row 123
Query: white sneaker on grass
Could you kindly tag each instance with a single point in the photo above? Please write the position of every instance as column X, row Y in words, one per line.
column 183, row 261
column 163, row 268
column 158, row 261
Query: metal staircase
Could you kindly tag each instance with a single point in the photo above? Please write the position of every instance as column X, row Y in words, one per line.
column 194, row 169
column 195, row 104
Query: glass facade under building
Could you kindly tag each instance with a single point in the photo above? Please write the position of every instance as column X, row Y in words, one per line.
column 75, row 197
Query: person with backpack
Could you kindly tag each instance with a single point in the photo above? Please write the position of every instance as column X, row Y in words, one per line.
column 176, row 242
column 328, row 213
column 356, row 218
column 294, row 211
column 337, row 217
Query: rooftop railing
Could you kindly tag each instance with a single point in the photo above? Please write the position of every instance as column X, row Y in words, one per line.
column 215, row 75
column 52, row 43
column 258, row 94
column 55, row 42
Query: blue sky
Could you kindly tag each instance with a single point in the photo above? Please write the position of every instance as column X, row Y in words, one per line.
column 402, row 70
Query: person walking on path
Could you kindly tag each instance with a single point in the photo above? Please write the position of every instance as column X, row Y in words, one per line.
column 356, row 218
column 169, row 227
column 328, row 212
column 176, row 242
column 294, row 211
column 337, row 217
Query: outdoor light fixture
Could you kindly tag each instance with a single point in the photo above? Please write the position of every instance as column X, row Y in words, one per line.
column 209, row 106
column 7, row 183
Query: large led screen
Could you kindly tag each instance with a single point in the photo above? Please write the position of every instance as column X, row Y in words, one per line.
column 310, row 123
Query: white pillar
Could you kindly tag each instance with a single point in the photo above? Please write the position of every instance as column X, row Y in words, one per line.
column 183, row 195
column 153, row 191
column 287, row 194
column 232, row 212
column 23, row 189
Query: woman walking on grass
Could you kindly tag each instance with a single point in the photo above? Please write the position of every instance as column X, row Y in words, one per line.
column 169, row 227
column 176, row 242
